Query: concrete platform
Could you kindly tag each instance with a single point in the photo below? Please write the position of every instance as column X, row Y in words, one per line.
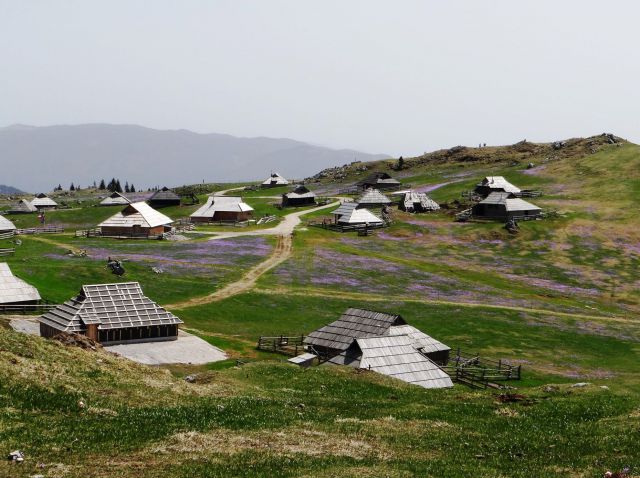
column 188, row 349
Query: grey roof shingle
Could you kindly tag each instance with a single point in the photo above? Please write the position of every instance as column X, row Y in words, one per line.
column 164, row 194
column 6, row 225
column 373, row 197
column 23, row 206
column 111, row 306
column 354, row 323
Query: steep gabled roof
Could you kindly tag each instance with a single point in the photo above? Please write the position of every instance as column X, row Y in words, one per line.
column 13, row 289
column 115, row 199
column 137, row 214
column 6, row 225
column 345, row 208
column 222, row 204
column 421, row 341
column 373, row 196
column 164, row 194
column 511, row 203
column 498, row 183
column 359, row 216
column 111, row 306
column 378, row 177
column 354, row 323
column 42, row 200
column 23, row 206
column 275, row 180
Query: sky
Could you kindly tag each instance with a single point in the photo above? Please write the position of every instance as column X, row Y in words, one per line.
column 399, row 77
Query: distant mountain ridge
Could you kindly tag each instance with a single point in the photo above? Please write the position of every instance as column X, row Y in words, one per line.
column 41, row 157
column 4, row 189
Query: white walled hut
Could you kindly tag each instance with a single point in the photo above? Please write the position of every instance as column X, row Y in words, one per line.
column 112, row 314
column 136, row 220
column 223, row 208
column 495, row 184
column 6, row 226
column 22, row 207
column 115, row 199
column 274, row 181
column 15, row 291
column 505, row 206
column 42, row 201
column 413, row 201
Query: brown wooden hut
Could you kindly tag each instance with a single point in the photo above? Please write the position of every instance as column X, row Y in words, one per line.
column 379, row 180
column 300, row 196
column 111, row 314
column 223, row 208
column 504, row 206
column 495, row 184
column 136, row 220
column 163, row 198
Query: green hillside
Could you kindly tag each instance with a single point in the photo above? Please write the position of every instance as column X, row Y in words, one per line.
column 561, row 298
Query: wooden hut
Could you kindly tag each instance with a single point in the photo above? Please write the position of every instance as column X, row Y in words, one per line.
column 372, row 198
column 396, row 357
column 495, row 184
column 300, row 196
column 379, row 180
column 163, row 198
column 223, row 208
column 413, row 201
column 274, row 181
column 504, row 206
column 136, row 220
column 22, row 207
column 112, row 314
column 15, row 291
column 358, row 217
column 42, row 201
column 115, row 199
column 6, row 226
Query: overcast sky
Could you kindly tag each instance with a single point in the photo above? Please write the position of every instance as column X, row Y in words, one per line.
column 397, row 77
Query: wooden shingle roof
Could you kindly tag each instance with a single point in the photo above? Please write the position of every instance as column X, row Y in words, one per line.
column 373, row 197
column 359, row 216
column 6, row 225
column 23, row 206
column 275, row 180
column 137, row 214
column 164, row 194
column 498, row 183
column 115, row 199
column 111, row 306
column 42, row 200
column 412, row 199
column 354, row 323
column 300, row 192
column 222, row 204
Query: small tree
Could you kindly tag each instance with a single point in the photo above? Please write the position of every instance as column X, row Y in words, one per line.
column 72, row 187
column 102, row 186
column 400, row 163
column 118, row 188
column 126, row 187
column 132, row 188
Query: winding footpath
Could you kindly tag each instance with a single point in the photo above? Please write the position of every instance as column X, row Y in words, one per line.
column 283, row 250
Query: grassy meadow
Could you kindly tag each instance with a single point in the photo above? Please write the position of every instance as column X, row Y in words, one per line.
column 560, row 298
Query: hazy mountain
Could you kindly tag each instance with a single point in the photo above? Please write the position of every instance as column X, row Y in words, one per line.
column 4, row 189
column 37, row 158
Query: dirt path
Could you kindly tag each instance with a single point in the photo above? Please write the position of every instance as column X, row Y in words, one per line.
column 281, row 253
column 361, row 297
column 46, row 240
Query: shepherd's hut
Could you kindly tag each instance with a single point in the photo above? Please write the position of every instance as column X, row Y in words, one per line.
column 379, row 180
column 495, row 184
column 15, row 291
column 136, row 220
column 357, row 217
column 22, row 207
column 413, row 201
column 274, row 181
column 42, row 201
column 163, row 198
column 372, row 198
column 6, row 226
column 115, row 199
column 223, row 208
column 505, row 206
column 300, row 196
column 112, row 314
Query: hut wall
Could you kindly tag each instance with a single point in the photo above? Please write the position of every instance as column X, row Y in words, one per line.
column 48, row 331
column 164, row 202
column 231, row 216
column 441, row 357
column 133, row 232
column 496, row 211
column 152, row 333
column 297, row 202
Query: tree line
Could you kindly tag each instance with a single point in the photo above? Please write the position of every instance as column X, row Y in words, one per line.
column 113, row 186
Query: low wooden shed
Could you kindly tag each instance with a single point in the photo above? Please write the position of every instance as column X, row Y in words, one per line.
column 115, row 199
column 42, row 201
column 495, row 184
column 112, row 314
column 379, row 180
column 22, row 207
column 504, row 206
column 274, row 181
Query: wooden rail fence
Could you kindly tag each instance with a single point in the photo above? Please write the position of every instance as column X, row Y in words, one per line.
column 7, row 251
column 287, row 345
column 479, row 372
column 41, row 230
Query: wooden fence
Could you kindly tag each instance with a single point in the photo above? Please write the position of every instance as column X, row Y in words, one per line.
column 287, row 345
column 27, row 308
column 360, row 228
column 41, row 230
column 7, row 235
column 7, row 251
column 479, row 372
